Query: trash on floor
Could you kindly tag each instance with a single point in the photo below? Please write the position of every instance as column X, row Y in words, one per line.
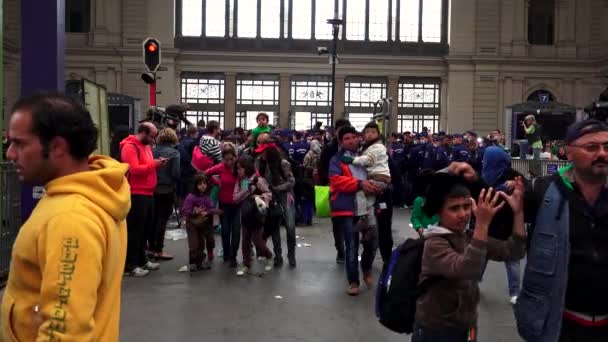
column 278, row 297
column 184, row 268
column 176, row 234
column 299, row 245
column 307, row 245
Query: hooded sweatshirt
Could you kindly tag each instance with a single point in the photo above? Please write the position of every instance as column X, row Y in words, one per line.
column 456, row 260
column 68, row 260
column 142, row 168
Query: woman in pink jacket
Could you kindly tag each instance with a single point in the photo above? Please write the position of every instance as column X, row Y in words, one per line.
column 231, row 224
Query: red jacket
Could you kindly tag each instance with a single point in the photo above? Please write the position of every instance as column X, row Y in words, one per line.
column 342, row 187
column 142, row 168
column 227, row 182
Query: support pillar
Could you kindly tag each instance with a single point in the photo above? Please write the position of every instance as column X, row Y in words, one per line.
column 443, row 105
column 520, row 38
column 284, row 100
column 393, row 93
column 42, row 61
column 230, row 101
column 340, row 101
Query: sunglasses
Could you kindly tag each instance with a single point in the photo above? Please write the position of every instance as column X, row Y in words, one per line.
column 593, row 148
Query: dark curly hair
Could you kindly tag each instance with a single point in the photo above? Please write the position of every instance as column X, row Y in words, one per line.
column 57, row 115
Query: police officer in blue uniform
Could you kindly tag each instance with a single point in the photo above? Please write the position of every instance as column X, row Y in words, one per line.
column 397, row 151
column 460, row 152
column 299, row 147
column 430, row 149
column 442, row 155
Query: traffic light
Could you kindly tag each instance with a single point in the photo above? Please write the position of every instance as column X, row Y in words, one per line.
column 148, row 77
column 151, row 54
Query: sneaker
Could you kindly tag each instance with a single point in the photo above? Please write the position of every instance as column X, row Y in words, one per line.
column 152, row 266
column 242, row 271
column 268, row 266
column 278, row 261
column 340, row 259
column 353, row 290
column 513, row 300
column 206, row 265
column 163, row 256
column 137, row 272
column 368, row 278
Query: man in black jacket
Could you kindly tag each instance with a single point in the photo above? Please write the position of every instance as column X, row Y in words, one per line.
column 328, row 151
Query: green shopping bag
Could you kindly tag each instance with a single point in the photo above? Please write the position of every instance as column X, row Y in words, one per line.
column 322, row 201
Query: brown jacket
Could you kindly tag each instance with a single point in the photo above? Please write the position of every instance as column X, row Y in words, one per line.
column 452, row 301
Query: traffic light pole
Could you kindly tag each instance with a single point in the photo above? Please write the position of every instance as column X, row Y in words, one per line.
column 153, row 92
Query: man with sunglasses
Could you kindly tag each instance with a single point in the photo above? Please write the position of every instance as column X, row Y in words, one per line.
column 564, row 295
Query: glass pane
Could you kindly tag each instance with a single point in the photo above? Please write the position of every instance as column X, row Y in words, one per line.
column 355, row 20
column 431, row 21
column 271, row 18
column 215, row 24
column 394, row 21
column 378, row 20
column 408, row 24
column 302, row 121
column 359, row 120
column 247, row 18
column 325, row 10
column 231, row 18
column 285, row 19
column 192, row 17
column 302, row 16
column 251, row 115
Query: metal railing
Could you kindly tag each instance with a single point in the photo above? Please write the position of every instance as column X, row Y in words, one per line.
column 547, row 167
column 10, row 214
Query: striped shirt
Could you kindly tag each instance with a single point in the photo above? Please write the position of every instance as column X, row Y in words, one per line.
column 211, row 148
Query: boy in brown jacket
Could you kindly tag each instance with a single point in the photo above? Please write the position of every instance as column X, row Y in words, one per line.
column 452, row 260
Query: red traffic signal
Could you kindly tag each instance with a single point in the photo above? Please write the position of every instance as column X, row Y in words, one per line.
column 152, row 56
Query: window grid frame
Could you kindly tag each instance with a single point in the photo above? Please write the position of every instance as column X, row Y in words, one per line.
column 285, row 25
column 419, row 113
column 207, row 115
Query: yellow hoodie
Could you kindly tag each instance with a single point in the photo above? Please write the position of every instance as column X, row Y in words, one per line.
column 68, row 260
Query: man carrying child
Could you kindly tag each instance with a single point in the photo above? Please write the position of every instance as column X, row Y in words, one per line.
column 345, row 181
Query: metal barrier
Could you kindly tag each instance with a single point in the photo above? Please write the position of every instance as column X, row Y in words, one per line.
column 10, row 214
column 547, row 167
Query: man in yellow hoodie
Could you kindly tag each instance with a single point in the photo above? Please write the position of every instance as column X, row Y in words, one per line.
column 68, row 259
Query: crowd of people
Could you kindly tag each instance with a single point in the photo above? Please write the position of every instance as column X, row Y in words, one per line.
column 101, row 218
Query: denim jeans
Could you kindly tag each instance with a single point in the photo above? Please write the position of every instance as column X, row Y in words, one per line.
column 513, row 277
column 231, row 230
column 422, row 334
column 338, row 236
column 351, row 242
column 290, row 227
column 307, row 211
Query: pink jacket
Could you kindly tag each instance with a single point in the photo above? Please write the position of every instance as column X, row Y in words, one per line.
column 227, row 182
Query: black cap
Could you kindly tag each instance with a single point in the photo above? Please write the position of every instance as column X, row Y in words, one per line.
column 581, row 128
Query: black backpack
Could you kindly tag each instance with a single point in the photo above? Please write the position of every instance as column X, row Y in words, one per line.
column 398, row 288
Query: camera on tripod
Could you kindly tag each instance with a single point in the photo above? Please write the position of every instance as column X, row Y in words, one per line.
column 599, row 108
column 170, row 117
